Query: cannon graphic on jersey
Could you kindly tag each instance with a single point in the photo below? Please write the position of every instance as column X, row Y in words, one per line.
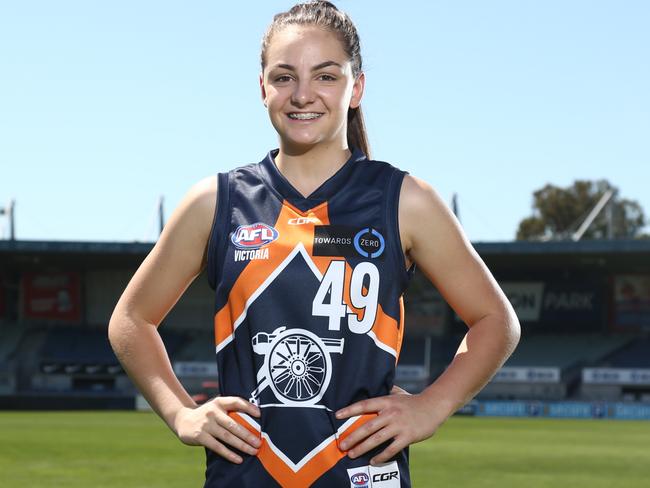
column 297, row 365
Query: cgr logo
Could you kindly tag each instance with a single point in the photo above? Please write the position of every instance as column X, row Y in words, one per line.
column 360, row 480
column 253, row 236
column 376, row 478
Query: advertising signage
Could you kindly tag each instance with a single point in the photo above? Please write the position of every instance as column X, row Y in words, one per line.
column 574, row 304
column 632, row 302
column 52, row 296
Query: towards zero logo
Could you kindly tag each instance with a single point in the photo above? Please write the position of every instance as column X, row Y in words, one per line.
column 253, row 236
column 348, row 241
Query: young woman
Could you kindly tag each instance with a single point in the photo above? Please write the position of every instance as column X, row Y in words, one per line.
column 309, row 253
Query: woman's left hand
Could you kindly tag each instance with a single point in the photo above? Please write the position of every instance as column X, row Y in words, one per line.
column 402, row 417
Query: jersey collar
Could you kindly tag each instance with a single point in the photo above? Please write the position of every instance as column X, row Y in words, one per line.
column 285, row 190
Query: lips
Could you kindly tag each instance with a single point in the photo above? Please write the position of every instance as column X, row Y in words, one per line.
column 304, row 115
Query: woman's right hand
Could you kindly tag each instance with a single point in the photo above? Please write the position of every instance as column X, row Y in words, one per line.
column 210, row 425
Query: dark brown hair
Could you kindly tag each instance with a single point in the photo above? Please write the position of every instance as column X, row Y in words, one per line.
column 326, row 15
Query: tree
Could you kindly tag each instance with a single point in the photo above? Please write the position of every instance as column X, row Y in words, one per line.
column 559, row 212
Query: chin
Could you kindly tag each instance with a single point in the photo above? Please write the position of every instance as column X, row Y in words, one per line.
column 297, row 147
column 301, row 141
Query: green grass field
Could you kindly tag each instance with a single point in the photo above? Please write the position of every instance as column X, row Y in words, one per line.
column 135, row 449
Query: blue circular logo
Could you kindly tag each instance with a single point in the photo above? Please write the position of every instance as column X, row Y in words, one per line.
column 369, row 243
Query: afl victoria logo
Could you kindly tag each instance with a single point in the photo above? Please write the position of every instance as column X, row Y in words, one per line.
column 253, row 236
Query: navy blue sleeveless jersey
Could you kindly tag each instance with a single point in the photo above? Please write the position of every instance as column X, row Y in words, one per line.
column 308, row 318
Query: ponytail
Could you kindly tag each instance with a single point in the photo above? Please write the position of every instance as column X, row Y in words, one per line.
column 357, row 135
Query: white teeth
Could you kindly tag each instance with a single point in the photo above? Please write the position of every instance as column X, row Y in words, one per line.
column 304, row 116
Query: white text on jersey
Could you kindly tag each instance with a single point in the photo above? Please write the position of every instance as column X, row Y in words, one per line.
column 249, row 254
column 303, row 220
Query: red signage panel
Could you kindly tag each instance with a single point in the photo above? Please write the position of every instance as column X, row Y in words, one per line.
column 52, row 296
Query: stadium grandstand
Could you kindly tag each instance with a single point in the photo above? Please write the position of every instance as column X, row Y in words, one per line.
column 584, row 308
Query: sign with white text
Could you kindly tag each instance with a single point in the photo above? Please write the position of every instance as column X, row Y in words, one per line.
column 52, row 296
column 616, row 376
column 513, row 374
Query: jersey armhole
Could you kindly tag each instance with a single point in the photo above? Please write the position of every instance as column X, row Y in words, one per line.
column 219, row 230
column 392, row 219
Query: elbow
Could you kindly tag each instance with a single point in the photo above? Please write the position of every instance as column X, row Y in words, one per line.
column 113, row 333
column 117, row 329
column 512, row 330
column 125, row 329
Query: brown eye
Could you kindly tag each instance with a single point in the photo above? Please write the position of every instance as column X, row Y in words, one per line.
column 326, row 77
column 282, row 79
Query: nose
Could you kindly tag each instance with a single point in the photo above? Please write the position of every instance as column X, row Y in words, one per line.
column 303, row 93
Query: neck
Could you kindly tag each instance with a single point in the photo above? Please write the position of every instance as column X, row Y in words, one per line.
column 307, row 169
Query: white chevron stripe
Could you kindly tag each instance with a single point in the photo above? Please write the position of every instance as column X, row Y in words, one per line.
column 295, row 467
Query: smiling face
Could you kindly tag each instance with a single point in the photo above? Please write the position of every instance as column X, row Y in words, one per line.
column 307, row 86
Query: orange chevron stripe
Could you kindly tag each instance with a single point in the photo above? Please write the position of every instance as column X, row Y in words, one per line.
column 400, row 329
column 256, row 271
column 385, row 328
column 313, row 469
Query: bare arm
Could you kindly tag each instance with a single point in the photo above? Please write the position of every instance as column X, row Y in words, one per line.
column 432, row 237
column 175, row 261
column 449, row 261
column 164, row 275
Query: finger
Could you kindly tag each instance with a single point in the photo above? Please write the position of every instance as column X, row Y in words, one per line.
column 233, row 427
column 363, row 432
column 364, row 406
column 213, row 444
column 376, row 439
column 240, row 405
column 227, row 437
column 390, row 452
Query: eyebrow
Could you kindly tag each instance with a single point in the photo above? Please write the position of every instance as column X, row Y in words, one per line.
column 315, row 68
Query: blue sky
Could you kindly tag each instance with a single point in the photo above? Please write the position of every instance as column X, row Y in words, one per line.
column 105, row 106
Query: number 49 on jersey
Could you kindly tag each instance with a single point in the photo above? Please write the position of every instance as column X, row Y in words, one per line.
column 361, row 297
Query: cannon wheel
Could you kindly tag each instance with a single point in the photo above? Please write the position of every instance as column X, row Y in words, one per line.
column 299, row 367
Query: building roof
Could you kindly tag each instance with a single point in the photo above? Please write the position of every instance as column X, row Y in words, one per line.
column 620, row 255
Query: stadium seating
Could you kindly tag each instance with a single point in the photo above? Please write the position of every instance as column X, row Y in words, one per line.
column 173, row 339
column 11, row 334
column 198, row 347
column 77, row 344
column 564, row 350
column 636, row 354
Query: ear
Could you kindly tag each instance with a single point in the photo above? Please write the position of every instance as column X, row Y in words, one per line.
column 357, row 90
column 262, row 89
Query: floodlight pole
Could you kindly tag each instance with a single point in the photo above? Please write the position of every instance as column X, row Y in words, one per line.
column 10, row 212
column 161, row 216
column 454, row 206
column 610, row 220
column 593, row 214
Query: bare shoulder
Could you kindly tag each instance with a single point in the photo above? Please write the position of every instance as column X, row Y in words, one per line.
column 201, row 200
column 176, row 259
column 194, row 216
column 424, row 214
column 442, row 251
column 203, row 192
